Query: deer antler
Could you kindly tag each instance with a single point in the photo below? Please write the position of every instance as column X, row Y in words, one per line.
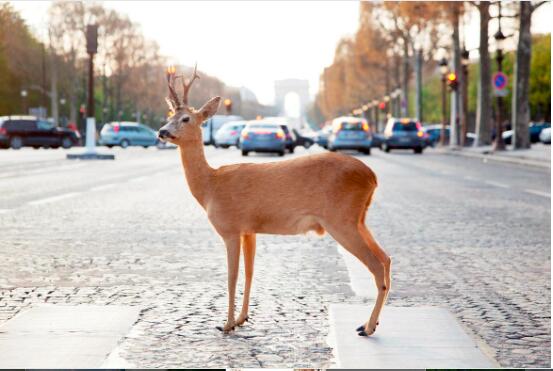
column 186, row 85
column 173, row 98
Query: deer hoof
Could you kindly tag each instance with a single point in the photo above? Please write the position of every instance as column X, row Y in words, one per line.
column 224, row 329
column 362, row 333
column 360, row 328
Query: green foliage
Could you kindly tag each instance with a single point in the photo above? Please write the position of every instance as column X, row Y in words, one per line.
column 540, row 77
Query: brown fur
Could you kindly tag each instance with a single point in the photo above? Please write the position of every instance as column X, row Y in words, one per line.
column 312, row 193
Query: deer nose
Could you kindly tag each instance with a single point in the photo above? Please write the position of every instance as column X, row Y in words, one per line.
column 162, row 134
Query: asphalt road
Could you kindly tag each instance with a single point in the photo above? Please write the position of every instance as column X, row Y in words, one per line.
column 469, row 236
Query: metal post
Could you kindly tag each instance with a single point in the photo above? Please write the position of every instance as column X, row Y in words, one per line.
column 444, row 111
column 418, row 76
column 499, row 143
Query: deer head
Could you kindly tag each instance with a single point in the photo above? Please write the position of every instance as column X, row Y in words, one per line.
column 184, row 121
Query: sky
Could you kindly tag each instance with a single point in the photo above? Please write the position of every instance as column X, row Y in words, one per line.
column 246, row 43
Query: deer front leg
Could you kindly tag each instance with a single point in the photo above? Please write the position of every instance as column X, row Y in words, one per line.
column 233, row 260
column 248, row 249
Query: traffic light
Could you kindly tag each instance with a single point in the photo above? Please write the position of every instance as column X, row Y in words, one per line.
column 452, row 81
column 382, row 106
column 228, row 105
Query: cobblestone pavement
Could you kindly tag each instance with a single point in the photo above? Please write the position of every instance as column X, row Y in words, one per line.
column 129, row 232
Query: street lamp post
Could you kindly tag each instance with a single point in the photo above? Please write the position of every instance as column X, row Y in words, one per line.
column 376, row 118
column 443, row 71
column 24, row 101
column 499, row 144
column 387, row 102
column 464, row 94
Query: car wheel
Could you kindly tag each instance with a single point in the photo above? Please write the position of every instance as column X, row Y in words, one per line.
column 124, row 143
column 306, row 145
column 36, row 147
column 109, row 146
column 66, row 143
column 16, row 142
column 332, row 149
column 291, row 149
column 418, row 150
column 244, row 153
column 386, row 147
column 225, row 146
column 282, row 153
column 145, row 147
column 366, row 151
column 55, row 147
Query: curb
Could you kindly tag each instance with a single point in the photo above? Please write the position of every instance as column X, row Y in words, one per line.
column 504, row 159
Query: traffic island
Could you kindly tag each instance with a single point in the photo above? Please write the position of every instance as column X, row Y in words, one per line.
column 90, row 156
column 407, row 337
column 58, row 336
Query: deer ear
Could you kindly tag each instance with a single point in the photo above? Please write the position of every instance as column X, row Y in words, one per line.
column 209, row 108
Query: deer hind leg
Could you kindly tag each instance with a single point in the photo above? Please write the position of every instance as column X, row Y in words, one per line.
column 380, row 254
column 248, row 249
column 233, row 261
column 351, row 238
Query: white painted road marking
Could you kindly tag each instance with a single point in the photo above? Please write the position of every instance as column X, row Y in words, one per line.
column 103, row 187
column 496, row 184
column 538, row 193
column 53, row 198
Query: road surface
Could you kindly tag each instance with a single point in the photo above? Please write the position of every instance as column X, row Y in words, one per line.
column 468, row 236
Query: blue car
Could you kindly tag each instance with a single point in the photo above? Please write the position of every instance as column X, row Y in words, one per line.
column 404, row 133
column 126, row 134
column 260, row 136
column 350, row 133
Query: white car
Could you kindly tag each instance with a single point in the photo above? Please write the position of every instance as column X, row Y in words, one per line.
column 545, row 136
column 229, row 134
column 213, row 124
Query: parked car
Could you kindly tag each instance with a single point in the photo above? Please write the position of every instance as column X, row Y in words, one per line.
column 126, row 134
column 545, row 136
column 29, row 131
column 229, row 134
column 434, row 134
column 350, row 133
column 404, row 133
column 534, row 130
column 262, row 136
column 213, row 124
column 322, row 136
column 377, row 141
column 303, row 140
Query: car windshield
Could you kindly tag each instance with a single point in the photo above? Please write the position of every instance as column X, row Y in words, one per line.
column 405, row 126
column 351, row 126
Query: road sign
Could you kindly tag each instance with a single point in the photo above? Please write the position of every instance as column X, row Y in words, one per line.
column 501, row 93
column 499, row 80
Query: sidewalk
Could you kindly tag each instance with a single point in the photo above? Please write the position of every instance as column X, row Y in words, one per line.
column 539, row 155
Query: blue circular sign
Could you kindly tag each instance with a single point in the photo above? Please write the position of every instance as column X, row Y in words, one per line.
column 499, row 80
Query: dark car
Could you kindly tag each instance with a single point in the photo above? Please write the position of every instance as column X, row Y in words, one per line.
column 28, row 131
column 262, row 136
column 303, row 140
column 404, row 134
column 434, row 133
column 378, row 140
column 534, row 130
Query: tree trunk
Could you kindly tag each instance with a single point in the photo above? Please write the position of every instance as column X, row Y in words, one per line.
column 405, row 81
column 484, row 105
column 418, row 75
column 54, row 87
column 521, row 106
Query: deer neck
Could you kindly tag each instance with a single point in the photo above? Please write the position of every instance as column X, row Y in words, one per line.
column 196, row 169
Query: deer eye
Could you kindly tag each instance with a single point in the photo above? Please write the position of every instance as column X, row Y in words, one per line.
column 185, row 119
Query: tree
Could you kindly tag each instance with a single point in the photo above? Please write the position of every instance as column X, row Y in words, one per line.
column 521, row 106
column 484, row 105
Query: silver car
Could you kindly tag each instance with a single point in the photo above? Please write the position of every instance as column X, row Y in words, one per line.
column 229, row 134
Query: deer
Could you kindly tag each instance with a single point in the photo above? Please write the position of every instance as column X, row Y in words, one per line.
column 320, row 192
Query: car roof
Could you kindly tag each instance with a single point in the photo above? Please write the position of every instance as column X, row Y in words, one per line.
column 17, row 117
column 124, row 123
column 351, row 119
column 237, row 122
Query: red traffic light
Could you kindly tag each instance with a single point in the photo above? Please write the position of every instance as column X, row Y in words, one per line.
column 382, row 105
